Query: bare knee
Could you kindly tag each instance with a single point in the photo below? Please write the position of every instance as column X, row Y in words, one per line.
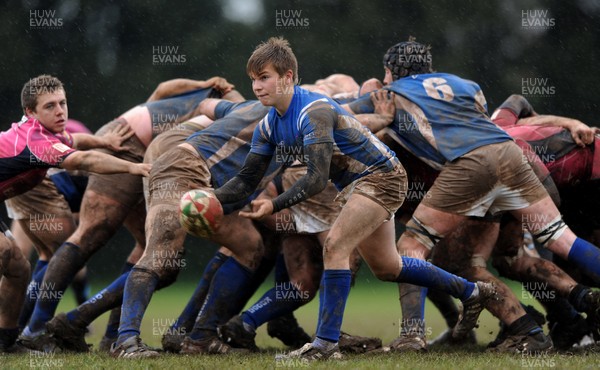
column 166, row 264
column 248, row 248
column 13, row 264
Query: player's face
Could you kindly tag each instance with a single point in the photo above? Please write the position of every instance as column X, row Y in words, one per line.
column 388, row 79
column 51, row 110
column 270, row 88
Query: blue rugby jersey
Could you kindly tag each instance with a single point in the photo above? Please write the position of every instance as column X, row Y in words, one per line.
column 440, row 117
column 225, row 144
column 165, row 112
column 356, row 152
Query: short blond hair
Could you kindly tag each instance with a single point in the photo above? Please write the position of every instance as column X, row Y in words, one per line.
column 277, row 52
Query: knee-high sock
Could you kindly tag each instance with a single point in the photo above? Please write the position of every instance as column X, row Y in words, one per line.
column 587, row 257
column 107, row 299
column 224, row 298
column 32, row 292
column 281, row 300
column 61, row 269
column 425, row 274
column 258, row 277
column 281, row 272
column 139, row 288
column 284, row 298
column 412, row 303
column 558, row 309
column 186, row 320
column 81, row 288
column 335, row 288
column 112, row 326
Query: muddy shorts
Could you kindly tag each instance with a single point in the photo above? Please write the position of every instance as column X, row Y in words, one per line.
column 495, row 177
column 174, row 173
column 42, row 199
column 166, row 141
column 122, row 187
column 387, row 189
column 317, row 213
column 162, row 144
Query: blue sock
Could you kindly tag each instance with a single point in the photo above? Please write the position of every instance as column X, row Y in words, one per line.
column 224, row 298
column 587, row 257
column 38, row 266
column 104, row 300
column 139, row 288
column 335, row 288
column 281, row 273
column 81, row 289
column 112, row 326
column 321, row 300
column 278, row 301
column 423, row 273
column 258, row 277
column 412, row 303
column 32, row 292
column 190, row 312
column 60, row 271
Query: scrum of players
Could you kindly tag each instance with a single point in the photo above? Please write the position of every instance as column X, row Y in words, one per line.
column 312, row 180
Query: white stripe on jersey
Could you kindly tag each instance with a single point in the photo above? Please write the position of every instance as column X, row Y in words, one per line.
column 303, row 112
column 480, row 103
column 264, row 125
column 395, row 137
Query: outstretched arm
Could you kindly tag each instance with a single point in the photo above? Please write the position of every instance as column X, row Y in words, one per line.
column 582, row 134
column 111, row 140
column 93, row 161
column 181, row 85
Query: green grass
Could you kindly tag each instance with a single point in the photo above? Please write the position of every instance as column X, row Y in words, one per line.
column 372, row 310
column 430, row 360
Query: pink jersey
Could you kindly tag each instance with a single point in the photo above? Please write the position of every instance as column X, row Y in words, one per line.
column 568, row 163
column 27, row 150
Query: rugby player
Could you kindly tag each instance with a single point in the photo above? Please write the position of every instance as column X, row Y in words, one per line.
column 572, row 161
column 109, row 200
column 372, row 181
column 181, row 169
column 68, row 328
column 28, row 150
column 451, row 132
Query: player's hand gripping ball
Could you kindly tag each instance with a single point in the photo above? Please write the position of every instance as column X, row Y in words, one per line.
column 200, row 213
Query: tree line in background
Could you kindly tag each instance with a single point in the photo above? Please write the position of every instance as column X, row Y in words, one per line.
column 111, row 55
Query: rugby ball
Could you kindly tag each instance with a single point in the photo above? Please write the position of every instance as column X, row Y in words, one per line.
column 200, row 213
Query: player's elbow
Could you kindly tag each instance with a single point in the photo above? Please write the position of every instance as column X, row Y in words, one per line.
column 87, row 160
column 318, row 184
column 75, row 160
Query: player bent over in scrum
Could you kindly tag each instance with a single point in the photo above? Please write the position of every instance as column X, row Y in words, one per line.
column 572, row 167
column 467, row 145
column 184, row 168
